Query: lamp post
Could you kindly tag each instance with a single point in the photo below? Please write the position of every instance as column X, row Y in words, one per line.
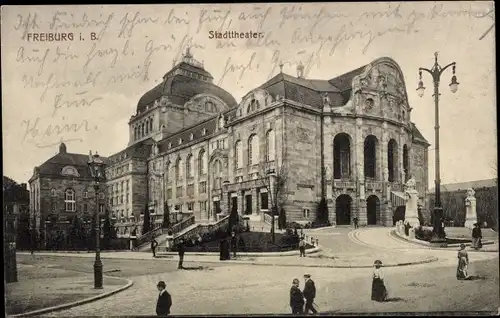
column 436, row 71
column 271, row 173
column 96, row 166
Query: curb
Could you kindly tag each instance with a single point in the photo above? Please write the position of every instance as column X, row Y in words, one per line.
column 425, row 261
column 429, row 246
column 254, row 254
column 76, row 303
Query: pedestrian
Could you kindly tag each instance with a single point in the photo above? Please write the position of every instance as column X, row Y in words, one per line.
column 463, row 263
column 355, row 220
column 221, row 250
column 227, row 249
column 309, row 294
column 234, row 244
column 296, row 298
column 154, row 245
column 379, row 292
column 477, row 235
column 302, row 247
column 164, row 300
column 180, row 249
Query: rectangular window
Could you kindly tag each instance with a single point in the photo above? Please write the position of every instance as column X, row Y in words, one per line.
column 190, row 206
column 178, row 192
column 85, row 208
column 169, row 193
column 264, row 201
column 306, row 213
column 203, row 205
column 190, row 190
column 203, row 187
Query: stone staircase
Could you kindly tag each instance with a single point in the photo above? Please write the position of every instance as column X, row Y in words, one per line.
column 144, row 243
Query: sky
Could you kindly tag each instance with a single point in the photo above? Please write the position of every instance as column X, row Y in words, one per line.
column 84, row 88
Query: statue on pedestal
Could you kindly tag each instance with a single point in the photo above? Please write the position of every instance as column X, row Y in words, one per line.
column 411, row 195
column 470, row 209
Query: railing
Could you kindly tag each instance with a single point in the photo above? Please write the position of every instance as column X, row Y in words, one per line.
column 176, row 228
column 268, row 219
column 146, row 237
column 202, row 229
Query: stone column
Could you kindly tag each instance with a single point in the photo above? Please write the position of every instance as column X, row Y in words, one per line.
column 470, row 209
column 255, row 200
column 360, row 200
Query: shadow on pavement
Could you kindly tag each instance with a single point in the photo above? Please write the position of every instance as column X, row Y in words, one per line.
column 196, row 268
column 476, row 277
column 395, row 300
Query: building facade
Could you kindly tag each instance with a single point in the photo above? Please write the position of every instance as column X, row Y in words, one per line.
column 62, row 188
column 292, row 141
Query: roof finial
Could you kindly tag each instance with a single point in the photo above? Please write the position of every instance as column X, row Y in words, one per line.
column 188, row 52
column 300, row 70
column 281, row 66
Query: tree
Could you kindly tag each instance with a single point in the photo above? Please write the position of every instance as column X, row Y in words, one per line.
column 146, row 222
column 77, row 233
column 166, row 215
column 282, row 218
column 233, row 218
column 109, row 231
column 322, row 212
column 274, row 179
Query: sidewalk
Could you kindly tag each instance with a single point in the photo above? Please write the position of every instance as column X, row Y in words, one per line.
column 344, row 260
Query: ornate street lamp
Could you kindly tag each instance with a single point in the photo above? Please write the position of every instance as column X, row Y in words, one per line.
column 436, row 71
column 96, row 166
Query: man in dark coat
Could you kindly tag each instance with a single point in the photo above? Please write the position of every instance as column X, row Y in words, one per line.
column 476, row 237
column 154, row 245
column 180, row 249
column 309, row 294
column 296, row 298
column 164, row 300
column 355, row 219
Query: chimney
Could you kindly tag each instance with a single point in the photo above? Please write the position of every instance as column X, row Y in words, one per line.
column 62, row 148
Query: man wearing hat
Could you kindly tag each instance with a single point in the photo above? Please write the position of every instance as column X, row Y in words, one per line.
column 296, row 298
column 476, row 237
column 309, row 294
column 164, row 300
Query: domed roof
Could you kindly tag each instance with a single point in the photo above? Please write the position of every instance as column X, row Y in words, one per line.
column 186, row 80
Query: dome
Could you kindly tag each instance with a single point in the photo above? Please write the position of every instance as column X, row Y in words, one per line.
column 186, row 80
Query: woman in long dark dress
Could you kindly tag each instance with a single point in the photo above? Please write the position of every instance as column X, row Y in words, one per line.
column 379, row 292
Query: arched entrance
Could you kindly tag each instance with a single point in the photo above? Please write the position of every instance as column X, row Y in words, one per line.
column 399, row 214
column 373, row 209
column 343, row 205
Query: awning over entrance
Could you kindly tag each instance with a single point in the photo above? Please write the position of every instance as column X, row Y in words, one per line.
column 398, row 198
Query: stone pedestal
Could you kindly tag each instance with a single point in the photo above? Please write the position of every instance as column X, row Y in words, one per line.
column 470, row 209
column 411, row 233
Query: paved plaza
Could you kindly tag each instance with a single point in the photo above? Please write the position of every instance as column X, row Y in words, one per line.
column 229, row 288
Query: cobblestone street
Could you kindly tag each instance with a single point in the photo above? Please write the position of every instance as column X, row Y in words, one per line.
column 236, row 289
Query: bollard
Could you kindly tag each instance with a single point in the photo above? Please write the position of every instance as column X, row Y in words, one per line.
column 317, row 242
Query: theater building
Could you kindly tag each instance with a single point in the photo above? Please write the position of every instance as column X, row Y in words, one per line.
column 193, row 147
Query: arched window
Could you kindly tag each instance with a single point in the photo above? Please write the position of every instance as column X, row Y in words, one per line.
column 202, row 162
column 142, row 130
column 341, row 156
column 189, row 166
column 270, row 146
column 179, row 173
column 253, row 150
column 370, row 157
column 168, row 171
column 147, row 126
column 406, row 162
column 151, row 124
column 217, row 174
column 392, row 160
column 135, row 133
column 253, row 106
column 238, row 155
column 69, row 200
column 85, row 194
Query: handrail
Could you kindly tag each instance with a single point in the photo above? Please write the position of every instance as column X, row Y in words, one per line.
column 149, row 235
column 160, row 230
column 208, row 228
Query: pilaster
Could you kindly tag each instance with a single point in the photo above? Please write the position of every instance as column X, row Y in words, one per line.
column 361, row 212
column 255, row 201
